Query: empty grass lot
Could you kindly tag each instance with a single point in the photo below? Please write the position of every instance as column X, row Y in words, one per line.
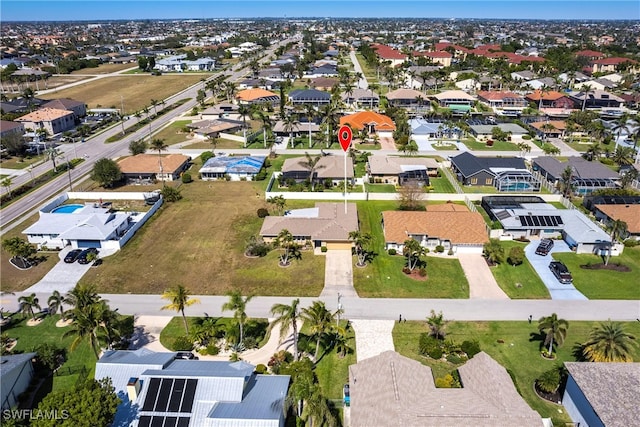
column 173, row 133
column 383, row 278
column 605, row 284
column 508, row 276
column 137, row 91
column 199, row 242
column 518, row 354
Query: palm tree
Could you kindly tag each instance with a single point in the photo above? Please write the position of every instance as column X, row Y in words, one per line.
column 266, row 125
column 567, row 187
column 6, row 183
column 288, row 317
column 244, row 111
column 609, row 343
column 279, row 202
column 620, row 125
column 594, row 151
column 82, row 296
column 437, row 325
column 360, row 240
column 154, row 104
column 238, row 305
column 51, row 154
column 320, row 322
column 108, row 320
column 179, row 297
column 311, row 163
column 623, row 156
column 317, row 411
column 554, row 329
column 617, row 230
column 310, row 111
column 160, row 145
column 28, row 303
column 329, row 113
column 55, row 303
column 586, row 89
column 289, row 124
column 86, row 326
column 413, row 251
column 493, row 251
column 213, row 140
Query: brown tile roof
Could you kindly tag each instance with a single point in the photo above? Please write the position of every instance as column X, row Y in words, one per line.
column 44, row 115
column 387, row 52
column 332, row 223
column 557, row 124
column 551, row 95
column 612, row 389
column 393, row 390
column 402, row 93
column 627, row 213
column 496, row 95
column 390, row 165
column 148, row 163
column 459, row 227
column 254, row 94
column 327, row 166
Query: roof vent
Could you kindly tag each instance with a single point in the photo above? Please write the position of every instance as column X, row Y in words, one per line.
column 133, row 388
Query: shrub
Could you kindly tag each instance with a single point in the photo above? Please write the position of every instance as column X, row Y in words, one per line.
column 631, row 243
column 182, row 344
column 406, row 270
column 471, row 348
column 261, row 175
column 257, row 247
column 445, row 382
column 516, row 255
column 262, row 212
column 526, row 137
column 422, row 272
column 392, row 252
column 323, row 249
column 439, row 249
column 608, row 162
column 212, row 350
column 171, row 194
column 250, row 342
column 430, row 346
column 261, row 369
column 206, row 156
column 454, row 358
column 186, row 178
column 549, row 381
column 450, row 252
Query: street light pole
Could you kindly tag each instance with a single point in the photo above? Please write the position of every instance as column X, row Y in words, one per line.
column 69, row 171
column 122, row 113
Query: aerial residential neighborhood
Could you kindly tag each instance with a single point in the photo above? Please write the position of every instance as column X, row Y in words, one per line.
column 265, row 215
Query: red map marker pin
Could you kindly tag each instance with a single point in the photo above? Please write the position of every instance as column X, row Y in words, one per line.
column 344, row 136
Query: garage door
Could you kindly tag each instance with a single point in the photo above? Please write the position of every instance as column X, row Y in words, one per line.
column 336, row 246
column 89, row 243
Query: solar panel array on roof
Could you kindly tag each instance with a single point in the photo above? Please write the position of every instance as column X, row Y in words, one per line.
column 170, row 395
column 162, row 421
column 540, row 220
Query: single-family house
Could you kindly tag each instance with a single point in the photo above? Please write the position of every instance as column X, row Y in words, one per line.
column 628, row 213
column 401, row 170
column 236, row 168
column 147, row 168
column 468, row 85
column 322, row 71
column 371, row 122
column 539, row 84
column 387, row 53
column 78, row 108
column 11, row 129
column 586, row 176
column 504, row 173
column 259, row 83
column 596, row 99
column 602, row 394
column 407, row 98
column 455, row 100
column 423, row 127
column 327, row 224
column 484, row 132
column 549, row 128
column 363, row 98
column 502, row 101
column 390, row 390
column 21, row 105
column 54, row 121
column 214, row 127
column 298, row 128
column 524, row 75
column 327, row 168
column 440, row 57
column 219, row 111
column 324, row 83
column 309, row 97
column 257, row 96
column 527, row 216
column 450, row 225
column 159, row 389
column 180, row 63
column 601, row 84
column 550, row 99
column 16, row 371
column 610, row 65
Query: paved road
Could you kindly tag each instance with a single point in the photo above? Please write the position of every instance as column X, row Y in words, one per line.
column 386, row 308
column 362, row 83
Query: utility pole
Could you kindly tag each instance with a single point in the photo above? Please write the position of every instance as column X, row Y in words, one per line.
column 122, row 113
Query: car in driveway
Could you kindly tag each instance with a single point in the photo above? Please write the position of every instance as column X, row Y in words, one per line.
column 544, row 247
column 561, row 272
column 83, row 257
column 72, row 256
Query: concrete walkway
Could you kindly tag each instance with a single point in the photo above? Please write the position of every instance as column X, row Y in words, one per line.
column 338, row 274
column 482, row 284
column 146, row 332
column 372, row 337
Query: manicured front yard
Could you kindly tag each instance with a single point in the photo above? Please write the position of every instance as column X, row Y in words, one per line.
column 497, row 145
column 383, row 278
column 519, row 282
column 605, row 284
column 173, row 133
column 519, row 354
column 199, row 242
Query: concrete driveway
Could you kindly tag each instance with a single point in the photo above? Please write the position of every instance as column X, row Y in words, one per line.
column 338, row 274
column 482, row 284
column 373, row 337
column 541, row 264
column 62, row 277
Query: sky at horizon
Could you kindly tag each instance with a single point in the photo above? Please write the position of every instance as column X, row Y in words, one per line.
column 93, row 10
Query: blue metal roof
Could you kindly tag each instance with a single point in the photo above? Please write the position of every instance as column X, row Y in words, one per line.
column 235, row 164
column 263, row 400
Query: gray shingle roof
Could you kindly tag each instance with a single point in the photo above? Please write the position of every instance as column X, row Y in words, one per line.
column 613, row 390
column 394, row 165
column 583, row 168
column 469, row 165
column 392, row 390
column 331, row 167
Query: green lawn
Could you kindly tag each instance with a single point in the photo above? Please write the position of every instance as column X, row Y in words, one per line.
column 380, row 188
column 605, row 284
column 518, row 354
column 441, row 185
column 497, row 145
column 18, row 163
column 368, row 147
column 509, row 276
column 444, row 146
column 383, row 278
column 173, row 133
column 475, row 189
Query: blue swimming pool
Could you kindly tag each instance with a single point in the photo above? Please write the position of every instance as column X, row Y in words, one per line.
column 67, row 208
column 517, row 186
